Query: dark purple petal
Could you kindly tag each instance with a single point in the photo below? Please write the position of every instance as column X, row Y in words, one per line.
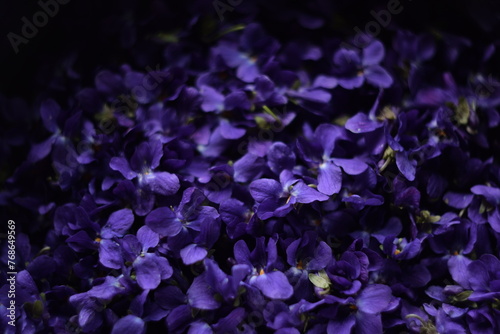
column 360, row 123
column 162, row 183
column 110, row 254
column 322, row 257
column 273, row 285
column 351, row 166
column 306, row 194
column 200, row 327
column 129, row 324
column 343, row 326
column 121, row 165
column 280, row 157
column 248, row 168
column 118, row 224
column 229, row 131
column 212, row 99
column 147, row 237
column 49, row 111
column 373, row 53
column 231, row 321
column 479, row 277
column 164, row 222
column 265, row 188
column 192, row 254
column 374, row 298
column 148, row 273
column 457, row 200
column 248, row 71
column 329, row 178
column 406, row 166
column 367, row 323
column 201, row 295
column 242, row 253
column 491, row 194
column 327, row 136
column 457, row 266
column 378, row 76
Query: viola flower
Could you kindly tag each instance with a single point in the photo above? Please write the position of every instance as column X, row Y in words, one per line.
column 210, row 289
column 238, row 217
column 454, row 245
column 277, row 198
column 62, row 130
column 129, row 323
column 400, row 248
column 319, row 152
column 188, row 214
column 304, row 255
column 352, row 69
column 91, row 304
column 491, row 205
column 483, row 276
column 150, row 268
column 142, row 165
column 264, row 260
column 253, row 50
column 363, row 313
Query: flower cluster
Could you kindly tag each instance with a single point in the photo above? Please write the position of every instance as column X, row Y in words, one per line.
column 252, row 183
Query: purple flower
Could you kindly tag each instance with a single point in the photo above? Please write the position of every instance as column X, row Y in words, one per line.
column 363, row 313
column 277, row 198
column 352, row 69
column 143, row 163
column 318, row 152
column 254, row 49
column 263, row 260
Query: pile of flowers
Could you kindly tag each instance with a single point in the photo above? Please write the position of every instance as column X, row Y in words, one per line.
column 253, row 183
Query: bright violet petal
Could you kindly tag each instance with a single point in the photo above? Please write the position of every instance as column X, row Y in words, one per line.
column 274, row 285
column 405, row 166
column 351, row 166
column 378, row 76
column 491, row 194
column 373, row 53
column 162, row 183
column 41, row 150
column 360, row 123
column 147, row 272
column 121, row 165
column 374, row 298
column 228, row 131
column 110, row 254
column 129, row 324
column 457, row 265
column 341, row 326
column 201, row 296
column 367, row 323
column 329, row 178
column 147, row 237
column 265, row 188
column 306, row 194
column 118, row 224
column 164, row 222
column 280, row 157
column 192, row 254
column 457, row 200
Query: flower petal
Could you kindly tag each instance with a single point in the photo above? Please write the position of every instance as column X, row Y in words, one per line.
column 273, row 285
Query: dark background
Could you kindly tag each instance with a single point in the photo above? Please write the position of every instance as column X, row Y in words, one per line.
column 96, row 32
